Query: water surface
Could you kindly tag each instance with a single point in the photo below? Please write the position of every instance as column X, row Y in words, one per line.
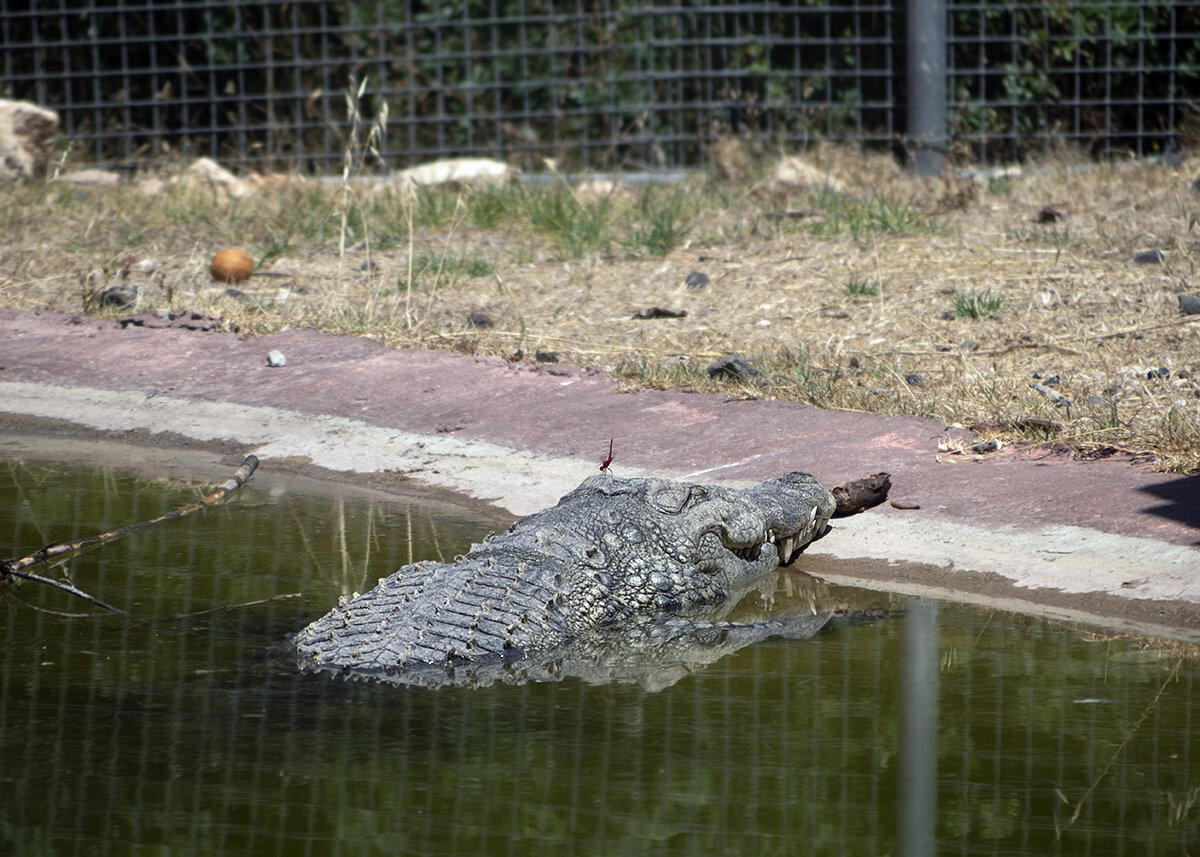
column 167, row 733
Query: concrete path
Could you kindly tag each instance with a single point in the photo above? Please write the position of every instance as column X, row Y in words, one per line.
column 1106, row 538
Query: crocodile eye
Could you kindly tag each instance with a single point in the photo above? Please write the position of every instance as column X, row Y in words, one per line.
column 671, row 499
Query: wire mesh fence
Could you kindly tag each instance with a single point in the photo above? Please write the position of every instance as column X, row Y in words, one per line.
column 1100, row 75
column 595, row 83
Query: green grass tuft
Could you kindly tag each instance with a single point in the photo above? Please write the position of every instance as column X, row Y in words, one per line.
column 429, row 269
column 661, row 221
column 577, row 227
column 976, row 304
column 861, row 288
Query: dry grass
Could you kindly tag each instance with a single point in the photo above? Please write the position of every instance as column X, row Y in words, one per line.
column 969, row 292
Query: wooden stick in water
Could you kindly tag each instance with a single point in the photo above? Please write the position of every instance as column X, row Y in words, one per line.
column 16, row 567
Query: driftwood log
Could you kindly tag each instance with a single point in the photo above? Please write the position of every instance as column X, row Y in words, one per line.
column 858, row 495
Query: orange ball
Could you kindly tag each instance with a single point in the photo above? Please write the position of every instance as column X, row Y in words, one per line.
column 231, row 266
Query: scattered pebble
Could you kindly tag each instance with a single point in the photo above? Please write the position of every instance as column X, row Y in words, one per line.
column 733, row 367
column 1057, row 399
column 763, row 322
column 1149, row 257
column 968, row 345
column 792, row 213
column 1049, row 214
column 1160, row 372
column 913, row 379
column 121, row 294
column 660, row 312
column 546, row 356
column 144, row 266
column 1048, row 380
column 902, row 504
column 275, row 358
column 480, row 319
column 986, row 446
column 1189, row 304
column 696, row 280
column 186, row 319
column 234, row 293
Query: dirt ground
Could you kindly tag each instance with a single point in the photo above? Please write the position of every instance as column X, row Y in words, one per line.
column 958, row 299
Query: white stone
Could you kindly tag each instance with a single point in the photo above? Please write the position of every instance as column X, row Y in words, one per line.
column 793, row 171
column 464, row 171
column 27, row 135
column 275, row 358
column 205, row 174
column 94, row 177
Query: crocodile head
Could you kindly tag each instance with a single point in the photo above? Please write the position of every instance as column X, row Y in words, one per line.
column 612, row 552
column 669, row 546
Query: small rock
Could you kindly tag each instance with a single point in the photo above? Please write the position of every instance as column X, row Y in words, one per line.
column 660, row 312
column 985, row 446
column 1058, row 399
column 27, row 135
column 854, row 363
column 1149, row 257
column 181, row 318
column 121, row 294
column 144, row 266
column 1048, row 380
column 763, row 322
column 1160, row 372
column 1189, row 304
column 913, row 379
column 696, row 280
column 275, row 358
column 480, row 319
column 968, row 345
column 204, row 175
column 794, row 172
column 733, row 367
column 1096, row 401
column 546, row 356
column 234, row 293
column 1049, row 214
column 458, row 171
column 91, row 177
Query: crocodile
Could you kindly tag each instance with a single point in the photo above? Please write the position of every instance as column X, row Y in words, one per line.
column 621, row 568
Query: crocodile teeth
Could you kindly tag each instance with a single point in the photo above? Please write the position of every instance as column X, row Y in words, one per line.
column 787, row 548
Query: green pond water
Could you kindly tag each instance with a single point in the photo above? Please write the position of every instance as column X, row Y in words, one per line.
column 943, row 729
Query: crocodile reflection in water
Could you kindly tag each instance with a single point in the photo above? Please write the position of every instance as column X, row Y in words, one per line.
column 622, row 580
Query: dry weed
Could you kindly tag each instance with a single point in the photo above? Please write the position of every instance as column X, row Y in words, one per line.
column 515, row 270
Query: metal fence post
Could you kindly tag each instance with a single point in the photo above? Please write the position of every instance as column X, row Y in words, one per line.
column 918, row 741
column 927, row 83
